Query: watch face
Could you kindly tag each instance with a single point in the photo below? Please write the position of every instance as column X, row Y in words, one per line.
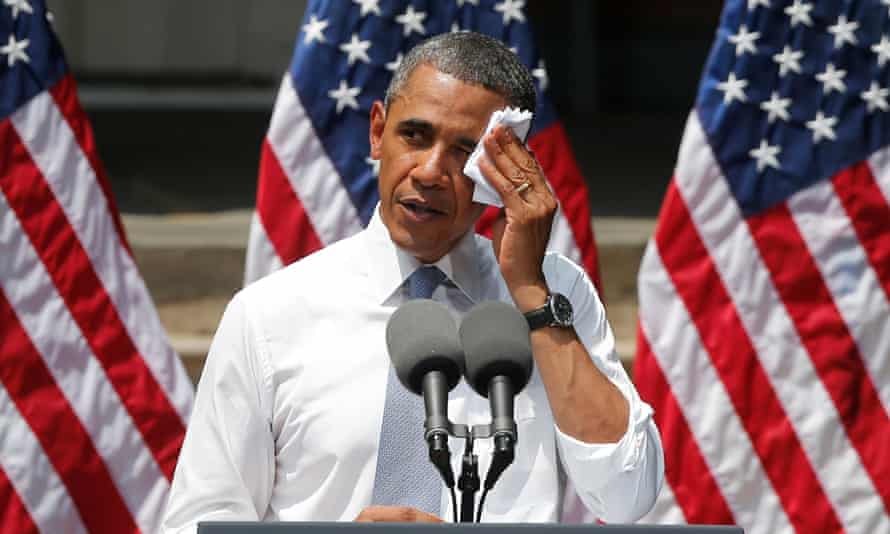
column 562, row 309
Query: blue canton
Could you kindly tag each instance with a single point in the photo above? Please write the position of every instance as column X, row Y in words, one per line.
column 794, row 92
column 31, row 58
column 345, row 56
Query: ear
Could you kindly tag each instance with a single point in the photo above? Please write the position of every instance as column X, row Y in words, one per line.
column 375, row 133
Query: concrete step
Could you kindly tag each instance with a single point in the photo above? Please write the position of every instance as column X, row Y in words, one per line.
column 193, row 264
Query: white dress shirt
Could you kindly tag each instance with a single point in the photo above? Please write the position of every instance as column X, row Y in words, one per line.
column 289, row 407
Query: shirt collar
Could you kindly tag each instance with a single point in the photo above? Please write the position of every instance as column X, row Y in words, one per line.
column 389, row 266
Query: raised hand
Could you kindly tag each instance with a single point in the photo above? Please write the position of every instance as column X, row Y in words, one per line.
column 522, row 233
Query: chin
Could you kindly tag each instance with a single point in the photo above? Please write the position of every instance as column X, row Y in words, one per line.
column 425, row 252
column 407, row 241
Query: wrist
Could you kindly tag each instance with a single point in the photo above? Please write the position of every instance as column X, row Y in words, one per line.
column 530, row 296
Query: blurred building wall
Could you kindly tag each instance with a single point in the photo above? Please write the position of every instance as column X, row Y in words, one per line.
column 180, row 39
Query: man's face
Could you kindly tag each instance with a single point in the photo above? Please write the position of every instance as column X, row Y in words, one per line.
column 423, row 142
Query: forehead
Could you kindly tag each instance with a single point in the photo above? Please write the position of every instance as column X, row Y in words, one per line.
column 433, row 96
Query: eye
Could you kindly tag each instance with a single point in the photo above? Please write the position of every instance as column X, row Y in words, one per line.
column 412, row 135
column 464, row 151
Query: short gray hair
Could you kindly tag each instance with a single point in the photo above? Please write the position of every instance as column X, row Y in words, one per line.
column 472, row 58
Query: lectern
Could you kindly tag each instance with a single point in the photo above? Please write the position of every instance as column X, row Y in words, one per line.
column 239, row 527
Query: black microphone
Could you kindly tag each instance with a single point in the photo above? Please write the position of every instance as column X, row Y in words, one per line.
column 495, row 338
column 424, row 349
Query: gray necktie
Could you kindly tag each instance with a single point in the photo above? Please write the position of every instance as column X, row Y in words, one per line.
column 404, row 475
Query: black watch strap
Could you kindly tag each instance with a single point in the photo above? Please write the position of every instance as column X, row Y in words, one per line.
column 540, row 317
column 556, row 311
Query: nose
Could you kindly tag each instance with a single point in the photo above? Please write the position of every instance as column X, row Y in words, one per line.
column 431, row 170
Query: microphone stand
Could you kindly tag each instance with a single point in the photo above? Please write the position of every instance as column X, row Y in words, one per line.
column 437, row 428
column 468, row 483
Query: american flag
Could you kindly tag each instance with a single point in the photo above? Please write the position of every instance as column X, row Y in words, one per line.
column 93, row 400
column 764, row 338
column 316, row 182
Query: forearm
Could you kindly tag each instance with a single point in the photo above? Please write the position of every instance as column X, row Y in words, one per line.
column 608, row 445
column 612, row 456
column 585, row 403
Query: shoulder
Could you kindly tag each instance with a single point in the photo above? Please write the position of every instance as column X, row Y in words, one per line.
column 327, row 272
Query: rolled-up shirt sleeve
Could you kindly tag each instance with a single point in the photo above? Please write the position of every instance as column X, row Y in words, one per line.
column 226, row 467
column 617, row 482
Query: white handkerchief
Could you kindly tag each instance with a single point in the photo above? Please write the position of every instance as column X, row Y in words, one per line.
column 519, row 121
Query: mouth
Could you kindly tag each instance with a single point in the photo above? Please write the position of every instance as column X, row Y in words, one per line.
column 420, row 210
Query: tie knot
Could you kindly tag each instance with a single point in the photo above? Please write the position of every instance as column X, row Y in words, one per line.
column 424, row 281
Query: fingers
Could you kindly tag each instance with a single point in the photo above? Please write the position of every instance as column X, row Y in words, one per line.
column 518, row 163
column 513, row 170
column 395, row 514
column 505, row 188
column 520, row 239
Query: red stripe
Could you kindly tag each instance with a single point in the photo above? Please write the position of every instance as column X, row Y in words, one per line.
column 58, row 429
column 65, row 95
column 694, row 487
column 281, row 212
column 485, row 224
column 16, row 519
column 69, row 266
column 825, row 335
column 867, row 208
column 554, row 152
column 735, row 359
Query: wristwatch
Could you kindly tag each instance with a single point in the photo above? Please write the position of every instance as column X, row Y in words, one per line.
column 556, row 311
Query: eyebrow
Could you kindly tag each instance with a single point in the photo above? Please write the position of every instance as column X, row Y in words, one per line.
column 427, row 128
column 416, row 124
column 467, row 142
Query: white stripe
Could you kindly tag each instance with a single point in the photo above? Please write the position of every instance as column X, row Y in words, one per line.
column 562, row 239
column 310, row 172
column 261, row 256
column 54, row 148
column 845, row 267
column 32, row 475
column 45, row 317
column 705, row 403
column 880, row 168
column 666, row 510
column 802, row 394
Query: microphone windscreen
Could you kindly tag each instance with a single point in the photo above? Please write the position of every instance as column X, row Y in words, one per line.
column 495, row 338
column 421, row 336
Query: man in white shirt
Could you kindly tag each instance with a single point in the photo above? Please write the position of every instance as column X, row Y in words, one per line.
column 287, row 419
